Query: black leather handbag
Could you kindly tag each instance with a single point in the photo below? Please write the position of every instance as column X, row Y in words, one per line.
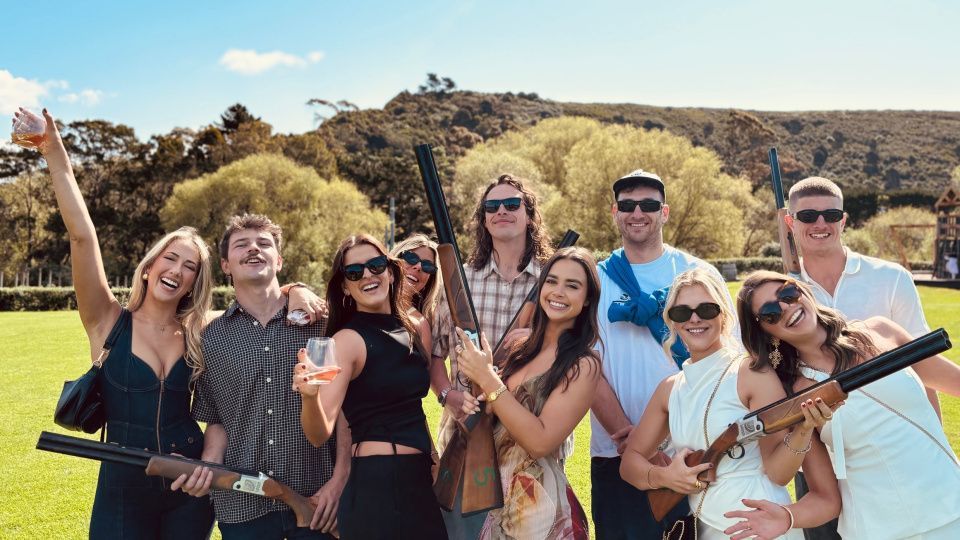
column 80, row 407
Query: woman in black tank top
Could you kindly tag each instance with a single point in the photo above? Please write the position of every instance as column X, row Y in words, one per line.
column 384, row 377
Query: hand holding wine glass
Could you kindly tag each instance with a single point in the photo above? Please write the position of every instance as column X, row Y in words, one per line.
column 316, row 365
column 29, row 130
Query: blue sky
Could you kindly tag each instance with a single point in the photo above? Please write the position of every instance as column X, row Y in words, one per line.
column 160, row 65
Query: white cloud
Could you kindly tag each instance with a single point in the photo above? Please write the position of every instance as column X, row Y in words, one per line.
column 250, row 62
column 86, row 97
column 19, row 92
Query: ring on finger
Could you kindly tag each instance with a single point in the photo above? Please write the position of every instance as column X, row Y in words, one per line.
column 828, row 416
column 698, row 484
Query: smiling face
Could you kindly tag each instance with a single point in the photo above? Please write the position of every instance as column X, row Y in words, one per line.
column 252, row 257
column 639, row 228
column 173, row 273
column 505, row 225
column 372, row 291
column 798, row 320
column 564, row 291
column 416, row 278
column 700, row 336
column 820, row 237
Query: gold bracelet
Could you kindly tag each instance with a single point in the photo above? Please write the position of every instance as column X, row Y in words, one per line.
column 789, row 513
column 649, row 483
column 786, row 442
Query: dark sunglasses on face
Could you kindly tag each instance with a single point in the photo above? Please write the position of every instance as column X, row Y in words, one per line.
column 511, row 204
column 810, row 216
column 771, row 312
column 376, row 265
column 646, row 205
column 681, row 313
column 412, row 259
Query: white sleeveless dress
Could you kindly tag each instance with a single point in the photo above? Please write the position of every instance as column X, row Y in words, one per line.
column 737, row 479
column 895, row 481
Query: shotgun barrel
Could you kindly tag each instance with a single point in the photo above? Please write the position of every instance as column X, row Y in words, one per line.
column 788, row 245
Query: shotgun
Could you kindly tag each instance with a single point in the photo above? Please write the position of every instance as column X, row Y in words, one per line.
column 171, row 467
column 788, row 245
column 524, row 315
column 471, row 455
column 786, row 413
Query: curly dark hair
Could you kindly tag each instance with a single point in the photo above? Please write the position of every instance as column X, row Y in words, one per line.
column 538, row 240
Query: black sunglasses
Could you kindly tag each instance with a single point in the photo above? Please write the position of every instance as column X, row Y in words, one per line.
column 810, row 216
column 771, row 312
column 511, row 204
column 682, row 313
column 354, row 272
column 646, row 205
column 412, row 259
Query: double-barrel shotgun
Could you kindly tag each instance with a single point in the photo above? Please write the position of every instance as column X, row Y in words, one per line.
column 788, row 245
column 171, row 467
column 786, row 413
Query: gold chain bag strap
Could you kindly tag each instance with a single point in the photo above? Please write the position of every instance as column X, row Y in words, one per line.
column 685, row 528
column 914, row 424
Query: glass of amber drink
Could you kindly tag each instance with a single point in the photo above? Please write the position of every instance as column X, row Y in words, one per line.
column 28, row 129
column 322, row 367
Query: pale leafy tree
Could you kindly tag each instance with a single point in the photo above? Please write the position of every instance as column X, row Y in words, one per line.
column 572, row 162
column 955, row 177
column 881, row 240
column 315, row 213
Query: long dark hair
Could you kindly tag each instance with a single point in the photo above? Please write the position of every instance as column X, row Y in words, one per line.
column 538, row 240
column 341, row 308
column 847, row 345
column 574, row 343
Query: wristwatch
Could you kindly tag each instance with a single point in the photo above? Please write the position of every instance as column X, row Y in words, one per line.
column 442, row 398
column 492, row 396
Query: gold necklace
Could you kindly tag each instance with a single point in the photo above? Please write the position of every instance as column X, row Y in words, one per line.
column 161, row 327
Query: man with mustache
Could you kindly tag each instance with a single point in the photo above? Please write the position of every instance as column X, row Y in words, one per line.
column 634, row 362
column 858, row 286
column 510, row 244
column 245, row 397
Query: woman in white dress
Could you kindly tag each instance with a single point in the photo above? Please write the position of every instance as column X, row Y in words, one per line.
column 714, row 388
column 898, row 476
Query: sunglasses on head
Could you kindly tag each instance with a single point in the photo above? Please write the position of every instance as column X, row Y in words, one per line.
column 682, row 313
column 771, row 312
column 511, row 204
column 810, row 216
column 646, row 205
column 376, row 265
column 412, row 259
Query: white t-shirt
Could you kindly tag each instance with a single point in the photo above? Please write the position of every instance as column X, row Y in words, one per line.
column 871, row 287
column 634, row 362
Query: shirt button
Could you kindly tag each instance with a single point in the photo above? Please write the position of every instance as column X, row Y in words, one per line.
column 266, row 348
column 269, row 379
column 255, row 323
column 269, row 411
column 270, row 441
column 269, row 473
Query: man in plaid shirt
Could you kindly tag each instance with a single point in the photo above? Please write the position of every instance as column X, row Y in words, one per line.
column 510, row 244
column 244, row 395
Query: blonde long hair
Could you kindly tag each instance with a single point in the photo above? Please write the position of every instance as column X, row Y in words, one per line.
column 718, row 294
column 193, row 308
column 426, row 300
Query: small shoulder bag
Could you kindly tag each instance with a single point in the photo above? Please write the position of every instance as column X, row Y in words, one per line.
column 685, row 528
column 80, row 407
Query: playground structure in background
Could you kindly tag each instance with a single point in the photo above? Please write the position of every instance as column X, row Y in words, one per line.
column 947, row 243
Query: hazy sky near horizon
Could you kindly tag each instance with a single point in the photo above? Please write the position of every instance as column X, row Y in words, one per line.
column 160, row 65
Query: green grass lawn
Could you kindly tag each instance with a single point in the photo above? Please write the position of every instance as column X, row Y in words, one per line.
column 49, row 495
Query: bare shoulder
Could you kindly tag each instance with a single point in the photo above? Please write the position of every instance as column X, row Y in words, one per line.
column 885, row 332
column 589, row 364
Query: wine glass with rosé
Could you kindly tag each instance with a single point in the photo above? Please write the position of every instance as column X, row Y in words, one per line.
column 322, row 367
column 28, row 129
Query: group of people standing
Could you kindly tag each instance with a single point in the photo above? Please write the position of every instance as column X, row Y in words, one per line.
column 649, row 341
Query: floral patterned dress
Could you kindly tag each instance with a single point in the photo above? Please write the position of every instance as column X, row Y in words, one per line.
column 538, row 503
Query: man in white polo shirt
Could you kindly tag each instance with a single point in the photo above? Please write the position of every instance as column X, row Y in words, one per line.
column 634, row 362
column 858, row 286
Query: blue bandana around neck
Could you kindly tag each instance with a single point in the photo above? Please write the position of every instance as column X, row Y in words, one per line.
column 639, row 307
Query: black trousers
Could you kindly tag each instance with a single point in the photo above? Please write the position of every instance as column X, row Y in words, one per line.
column 621, row 511
column 390, row 497
column 827, row 531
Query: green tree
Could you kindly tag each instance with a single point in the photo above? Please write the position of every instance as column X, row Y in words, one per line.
column 916, row 243
column 315, row 213
column 572, row 163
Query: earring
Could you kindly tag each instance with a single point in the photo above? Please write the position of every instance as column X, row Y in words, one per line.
column 775, row 356
column 146, row 276
column 346, row 301
column 189, row 294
